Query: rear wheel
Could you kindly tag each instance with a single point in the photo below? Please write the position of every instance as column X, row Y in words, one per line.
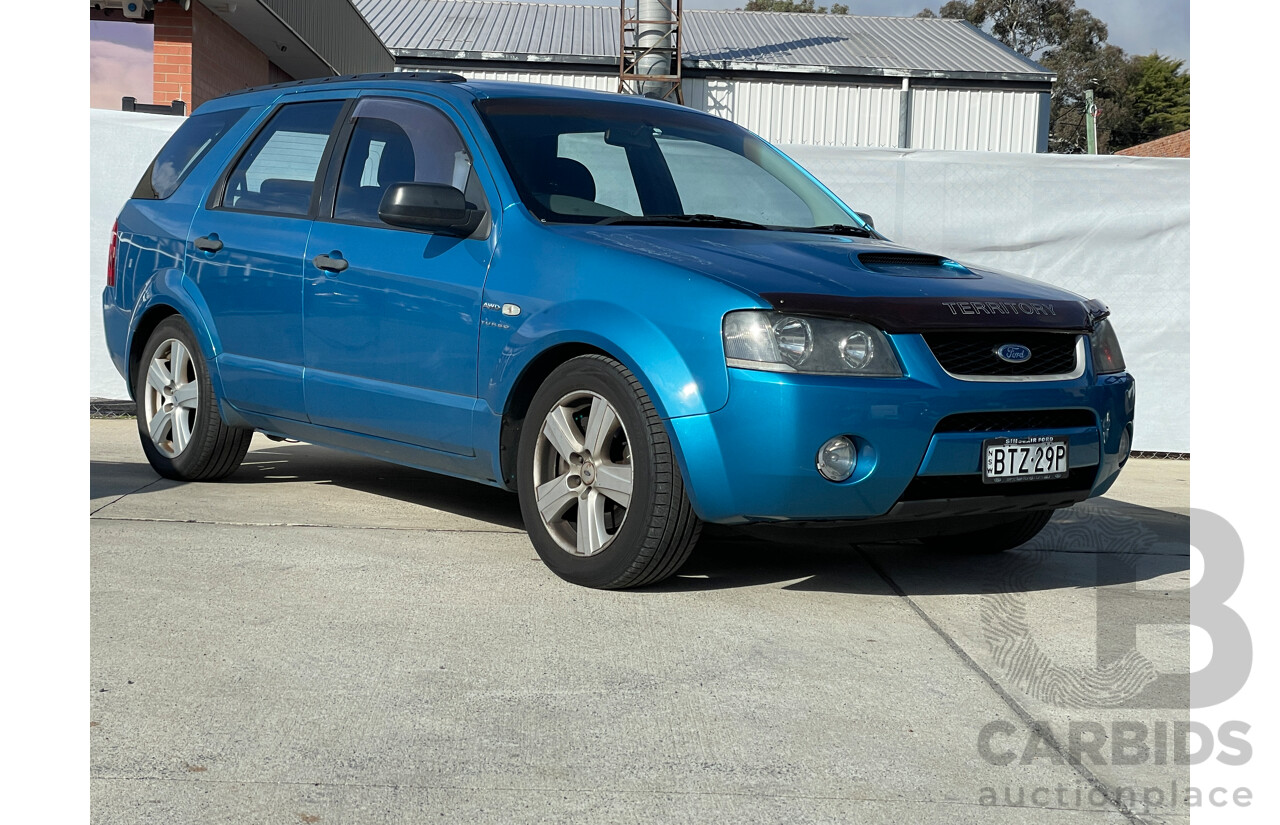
column 182, row 433
column 993, row 539
column 600, row 492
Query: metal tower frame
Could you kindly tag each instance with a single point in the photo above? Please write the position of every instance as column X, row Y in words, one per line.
column 630, row 79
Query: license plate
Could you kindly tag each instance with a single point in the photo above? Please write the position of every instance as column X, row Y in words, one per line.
column 1038, row 458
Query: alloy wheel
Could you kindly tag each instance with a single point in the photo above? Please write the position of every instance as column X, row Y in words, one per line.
column 172, row 395
column 582, row 473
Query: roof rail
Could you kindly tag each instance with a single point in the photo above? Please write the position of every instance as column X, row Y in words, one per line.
column 430, row 77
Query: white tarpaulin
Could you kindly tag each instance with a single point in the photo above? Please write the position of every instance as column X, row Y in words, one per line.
column 1111, row 228
column 121, row 146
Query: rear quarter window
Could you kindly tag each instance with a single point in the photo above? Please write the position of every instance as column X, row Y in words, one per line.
column 192, row 141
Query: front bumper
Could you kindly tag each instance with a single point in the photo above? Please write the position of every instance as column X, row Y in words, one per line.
column 754, row 459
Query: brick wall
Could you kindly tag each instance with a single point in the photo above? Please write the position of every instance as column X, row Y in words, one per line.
column 199, row 57
column 171, row 72
column 1173, row 146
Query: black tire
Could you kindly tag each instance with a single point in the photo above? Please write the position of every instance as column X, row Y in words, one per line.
column 993, row 539
column 192, row 442
column 654, row 533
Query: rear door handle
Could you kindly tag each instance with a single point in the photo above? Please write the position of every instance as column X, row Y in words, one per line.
column 208, row 243
column 336, row 263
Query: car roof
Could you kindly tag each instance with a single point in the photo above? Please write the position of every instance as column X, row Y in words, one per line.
column 444, row 84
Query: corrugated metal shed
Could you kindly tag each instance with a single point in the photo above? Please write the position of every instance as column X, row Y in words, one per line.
column 811, row 79
column 725, row 40
column 517, row 31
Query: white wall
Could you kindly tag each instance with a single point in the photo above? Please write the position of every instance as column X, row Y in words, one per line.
column 121, row 146
column 1106, row 227
column 574, row 80
column 975, row 120
column 814, row 113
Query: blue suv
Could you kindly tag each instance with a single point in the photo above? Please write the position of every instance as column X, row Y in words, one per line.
column 639, row 317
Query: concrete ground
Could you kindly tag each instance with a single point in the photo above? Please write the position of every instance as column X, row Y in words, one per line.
column 328, row 639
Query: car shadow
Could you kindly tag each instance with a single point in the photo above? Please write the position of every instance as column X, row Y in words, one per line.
column 321, row 465
column 112, row 479
column 311, row 464
column 1097, row 543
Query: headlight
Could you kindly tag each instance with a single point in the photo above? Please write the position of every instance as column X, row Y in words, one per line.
column 773, row 341
column 1107, row 357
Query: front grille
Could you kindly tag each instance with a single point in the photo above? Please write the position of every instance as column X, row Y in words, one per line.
column 998, row 421
column 974, row 353
column 925, row 488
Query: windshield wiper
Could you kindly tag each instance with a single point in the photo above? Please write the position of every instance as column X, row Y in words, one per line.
column 831, row 229
column 716, row 221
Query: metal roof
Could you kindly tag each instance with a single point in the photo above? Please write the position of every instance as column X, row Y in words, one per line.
column 724, row 40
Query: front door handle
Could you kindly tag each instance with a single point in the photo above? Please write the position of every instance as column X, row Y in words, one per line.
column 334, row 262
column 208, row 243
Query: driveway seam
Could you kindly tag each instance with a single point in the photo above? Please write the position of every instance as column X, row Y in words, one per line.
column 609, row 791
column 509, row 532
column 1045, row 734
column 122, row 496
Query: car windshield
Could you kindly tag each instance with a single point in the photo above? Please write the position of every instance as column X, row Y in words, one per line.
column 587, row 161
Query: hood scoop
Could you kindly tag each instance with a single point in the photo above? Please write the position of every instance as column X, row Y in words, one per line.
column 912, row 265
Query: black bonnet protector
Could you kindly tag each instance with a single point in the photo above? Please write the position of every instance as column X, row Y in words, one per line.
column 926, row 314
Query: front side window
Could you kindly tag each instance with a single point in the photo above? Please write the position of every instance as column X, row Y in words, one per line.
column 399, row 141
column 277, row 173
column 183, row 151
column 603, row 162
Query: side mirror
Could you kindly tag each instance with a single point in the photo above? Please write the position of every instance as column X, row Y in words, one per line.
column 866, row 219
column 431, row 206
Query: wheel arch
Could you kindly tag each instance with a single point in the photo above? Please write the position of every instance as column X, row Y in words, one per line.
column 676, row 385
column 145, row 325
column 521, row 395
column 167, row 294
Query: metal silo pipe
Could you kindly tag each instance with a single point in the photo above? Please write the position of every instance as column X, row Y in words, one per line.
column 654, row 32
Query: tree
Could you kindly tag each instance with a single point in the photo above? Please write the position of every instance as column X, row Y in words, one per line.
column 1161, row 96
column 1033, row 28
column 1068, row 41
column 805, row 6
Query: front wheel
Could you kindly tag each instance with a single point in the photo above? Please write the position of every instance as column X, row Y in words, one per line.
column 182, row 433
column 600, row 492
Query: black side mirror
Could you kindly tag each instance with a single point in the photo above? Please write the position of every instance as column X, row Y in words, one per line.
column 866, row 219
column 431, row 206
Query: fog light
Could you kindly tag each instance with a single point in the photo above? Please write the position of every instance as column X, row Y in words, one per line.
column 837, row 458
column 1125, row 444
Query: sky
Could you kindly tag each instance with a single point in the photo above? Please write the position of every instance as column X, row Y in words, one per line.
column 119, row 63
column 120, row 53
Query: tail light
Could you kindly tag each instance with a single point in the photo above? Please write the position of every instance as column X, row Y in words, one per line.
column 111, row 254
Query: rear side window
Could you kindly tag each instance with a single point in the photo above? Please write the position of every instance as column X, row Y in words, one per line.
column 277, row 173
column 189, row 144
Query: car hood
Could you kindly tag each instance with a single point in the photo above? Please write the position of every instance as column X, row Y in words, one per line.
column 836, row 275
